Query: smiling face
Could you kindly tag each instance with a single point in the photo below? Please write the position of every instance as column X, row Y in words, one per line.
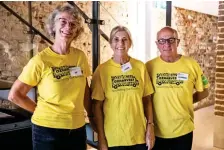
column 65, row 27
column 120, row 43
column 167, row 42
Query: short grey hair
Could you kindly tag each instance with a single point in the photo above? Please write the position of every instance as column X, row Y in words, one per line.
column 50, row 22
column 120, row 28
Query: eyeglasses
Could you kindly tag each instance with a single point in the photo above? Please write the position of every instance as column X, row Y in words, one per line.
column 169, row 41
column 64, row 21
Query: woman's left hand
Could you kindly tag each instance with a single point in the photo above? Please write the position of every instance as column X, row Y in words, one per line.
column 150, row 136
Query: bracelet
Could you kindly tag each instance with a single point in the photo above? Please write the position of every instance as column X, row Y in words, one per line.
column 151, row 123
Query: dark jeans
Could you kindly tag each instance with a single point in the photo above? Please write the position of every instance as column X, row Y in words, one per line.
column 134, row 147
column 180, row 143
column 58, row 139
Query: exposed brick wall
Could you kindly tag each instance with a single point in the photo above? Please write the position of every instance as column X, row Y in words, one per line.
column 219, row 86
column 11, row 39
column 14, row 38
column 198, row 35
column 7, row 104
column 15, row 41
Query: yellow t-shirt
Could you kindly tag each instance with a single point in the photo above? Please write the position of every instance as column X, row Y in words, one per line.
column 61, row 92
column 122, row 92
column 174, row 84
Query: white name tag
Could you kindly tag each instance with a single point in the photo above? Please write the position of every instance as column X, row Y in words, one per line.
column 126, row 67
column 182, row 76
column 75, row 71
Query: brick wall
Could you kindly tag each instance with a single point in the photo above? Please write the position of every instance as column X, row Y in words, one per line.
column 198, row 35
column 219, row 85
column 219, row 99
column 14, row 39
column 15, row 47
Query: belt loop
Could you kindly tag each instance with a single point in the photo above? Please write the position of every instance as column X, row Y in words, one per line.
column 70, row 131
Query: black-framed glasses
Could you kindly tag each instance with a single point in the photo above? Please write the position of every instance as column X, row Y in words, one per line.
column 169, row 41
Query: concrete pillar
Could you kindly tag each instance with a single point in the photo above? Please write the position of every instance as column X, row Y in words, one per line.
column 218, row 141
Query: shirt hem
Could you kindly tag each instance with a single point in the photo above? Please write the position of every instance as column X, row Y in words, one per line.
column 174, row 136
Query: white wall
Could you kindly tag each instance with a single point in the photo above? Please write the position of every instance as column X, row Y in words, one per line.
column 137, row 27
column 203, row 6
column 144, row 23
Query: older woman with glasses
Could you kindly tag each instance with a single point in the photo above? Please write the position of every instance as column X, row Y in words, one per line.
column 60, row 73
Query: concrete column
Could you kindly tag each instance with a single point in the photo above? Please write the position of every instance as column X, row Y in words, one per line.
column 218, row 141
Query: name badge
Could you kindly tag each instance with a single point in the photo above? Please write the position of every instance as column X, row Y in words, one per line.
column 126, row 67
column 182, row 76
column 75, row 71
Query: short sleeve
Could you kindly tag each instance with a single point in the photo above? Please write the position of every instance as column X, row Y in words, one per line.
column 96, row 86
column 201, row 81
column 31, row 73
column 148, row 88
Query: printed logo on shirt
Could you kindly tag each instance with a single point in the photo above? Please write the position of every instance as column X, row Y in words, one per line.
column 170, row 78
column 62, row 72
column 124, row 80
column 204, row 80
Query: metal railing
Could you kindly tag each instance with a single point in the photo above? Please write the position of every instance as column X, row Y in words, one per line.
column 88, row 20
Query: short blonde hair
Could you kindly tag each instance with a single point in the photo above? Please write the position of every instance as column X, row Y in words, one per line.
column 169, row 29
column 50, row 22
column 120, row 28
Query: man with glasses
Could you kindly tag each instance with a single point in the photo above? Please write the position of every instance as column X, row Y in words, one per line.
column 178, row 83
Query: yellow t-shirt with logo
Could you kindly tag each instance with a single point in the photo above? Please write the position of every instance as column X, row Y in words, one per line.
column 174, row 85
column 122, row 92
column 60, row 90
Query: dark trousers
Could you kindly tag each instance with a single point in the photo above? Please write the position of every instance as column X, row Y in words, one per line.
column 180, row 143
column 58, row 139
column 134, row 147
